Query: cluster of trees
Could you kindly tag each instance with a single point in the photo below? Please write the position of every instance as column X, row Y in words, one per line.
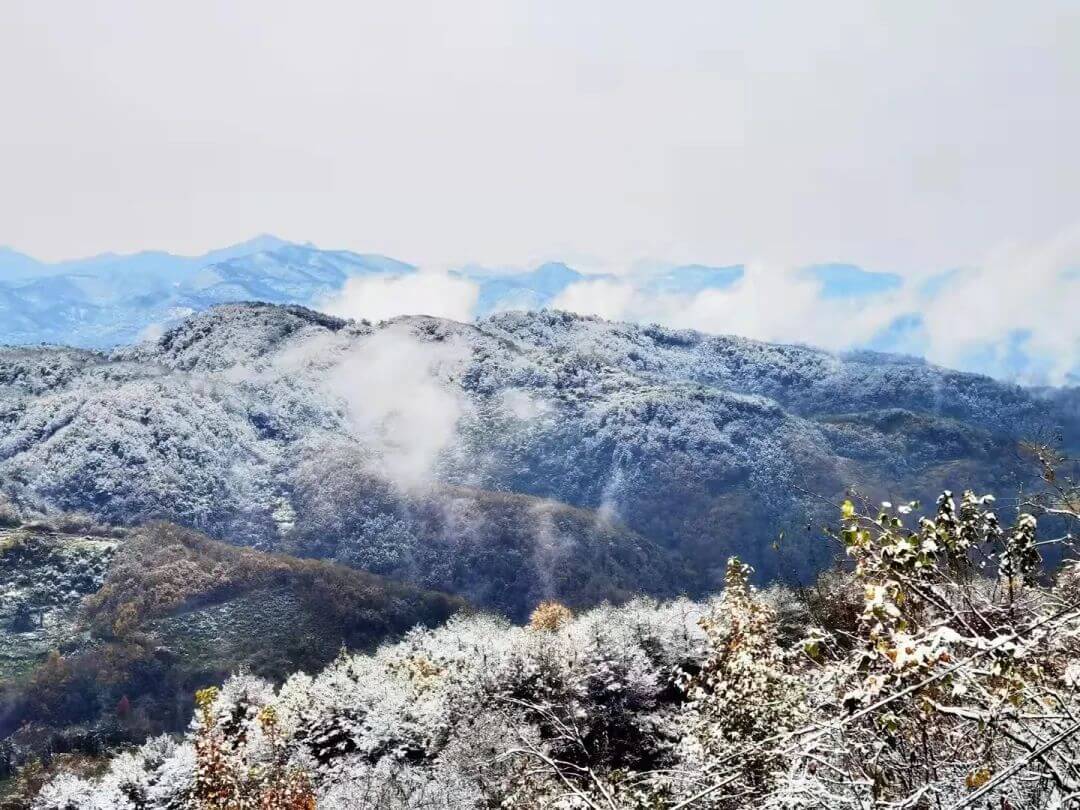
column 163, row 568
column 132, row 661
column 499, row 550
column 938, row 668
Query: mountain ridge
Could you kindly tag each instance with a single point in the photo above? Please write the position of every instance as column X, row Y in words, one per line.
column 393, row 446
column 11, row 259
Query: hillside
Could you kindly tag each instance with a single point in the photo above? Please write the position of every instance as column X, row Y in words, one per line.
column 912, row 680
column 108, row 632
column 529, row 455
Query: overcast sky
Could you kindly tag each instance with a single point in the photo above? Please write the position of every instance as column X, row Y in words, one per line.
column 910, row 137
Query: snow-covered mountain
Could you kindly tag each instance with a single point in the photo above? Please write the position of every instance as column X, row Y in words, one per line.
column 112, row 299
column 524, row 456
column 15, row 266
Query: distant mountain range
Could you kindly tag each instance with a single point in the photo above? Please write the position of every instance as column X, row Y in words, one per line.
column 113, row 299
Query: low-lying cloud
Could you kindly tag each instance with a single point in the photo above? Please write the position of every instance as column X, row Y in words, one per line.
column 426, row 292
column 393, row 388
column 767, row 302
column 1018, row 312
column 1012, row 315
column 398, row 399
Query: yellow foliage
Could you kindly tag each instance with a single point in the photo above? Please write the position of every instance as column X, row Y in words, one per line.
column 268, row 718
column 204, row 698
column 977, row 778
column 225, row 778
column 127, row 619
column 550, row 616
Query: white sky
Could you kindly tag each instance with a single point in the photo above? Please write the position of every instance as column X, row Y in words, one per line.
column 909, row 136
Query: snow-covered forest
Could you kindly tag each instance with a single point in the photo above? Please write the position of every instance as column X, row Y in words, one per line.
column 644, row 456
column 938, row 666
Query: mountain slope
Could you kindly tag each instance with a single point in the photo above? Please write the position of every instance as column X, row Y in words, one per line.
column 109, row 632
column 637, row 454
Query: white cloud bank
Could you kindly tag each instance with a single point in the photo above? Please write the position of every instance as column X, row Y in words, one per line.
column 770, row 302
column 1016, row 316
column 1025, row 298
column 1013, row 316
column 426, row 292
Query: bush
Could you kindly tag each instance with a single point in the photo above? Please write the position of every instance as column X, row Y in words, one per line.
column 550, row 616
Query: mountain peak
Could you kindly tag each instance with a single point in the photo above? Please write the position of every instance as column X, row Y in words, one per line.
column 262, row 243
